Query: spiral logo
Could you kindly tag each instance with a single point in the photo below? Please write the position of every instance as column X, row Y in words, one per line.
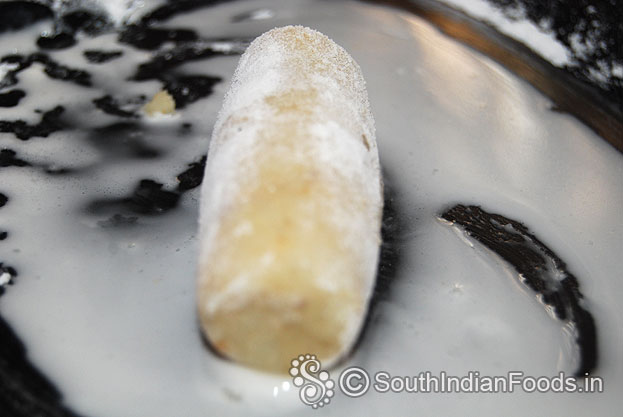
column 354, row 381
column 316, row 389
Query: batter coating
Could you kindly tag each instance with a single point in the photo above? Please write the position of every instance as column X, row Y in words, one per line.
column 291, row 205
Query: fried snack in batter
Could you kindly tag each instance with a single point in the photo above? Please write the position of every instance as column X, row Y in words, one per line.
column 291, row 205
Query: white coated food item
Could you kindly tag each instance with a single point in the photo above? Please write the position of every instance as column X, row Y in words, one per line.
column 161, row 103
column 291, row 205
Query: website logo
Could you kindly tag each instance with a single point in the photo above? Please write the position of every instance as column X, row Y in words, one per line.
column 315, row 387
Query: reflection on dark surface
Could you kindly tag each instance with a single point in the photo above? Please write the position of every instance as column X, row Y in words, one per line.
column 52, row 68
column 539, row 268
column 24, row 391
column 394, row 228
column 11, row 98
column 109, row 105
column 15, row 15
column 95, row 56
column 598, row 105
column 50, row 122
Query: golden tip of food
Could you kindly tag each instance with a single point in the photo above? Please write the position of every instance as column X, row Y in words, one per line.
column 161, row 103
column 267, row 335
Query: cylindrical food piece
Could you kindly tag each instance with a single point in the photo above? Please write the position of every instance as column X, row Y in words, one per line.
column 291, row 205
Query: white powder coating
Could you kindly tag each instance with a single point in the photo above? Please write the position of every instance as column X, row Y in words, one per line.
column 295, row 132
column 269, row 67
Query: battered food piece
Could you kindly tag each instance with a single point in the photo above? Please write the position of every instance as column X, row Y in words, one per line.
column 291, row 205
column 161, row 103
